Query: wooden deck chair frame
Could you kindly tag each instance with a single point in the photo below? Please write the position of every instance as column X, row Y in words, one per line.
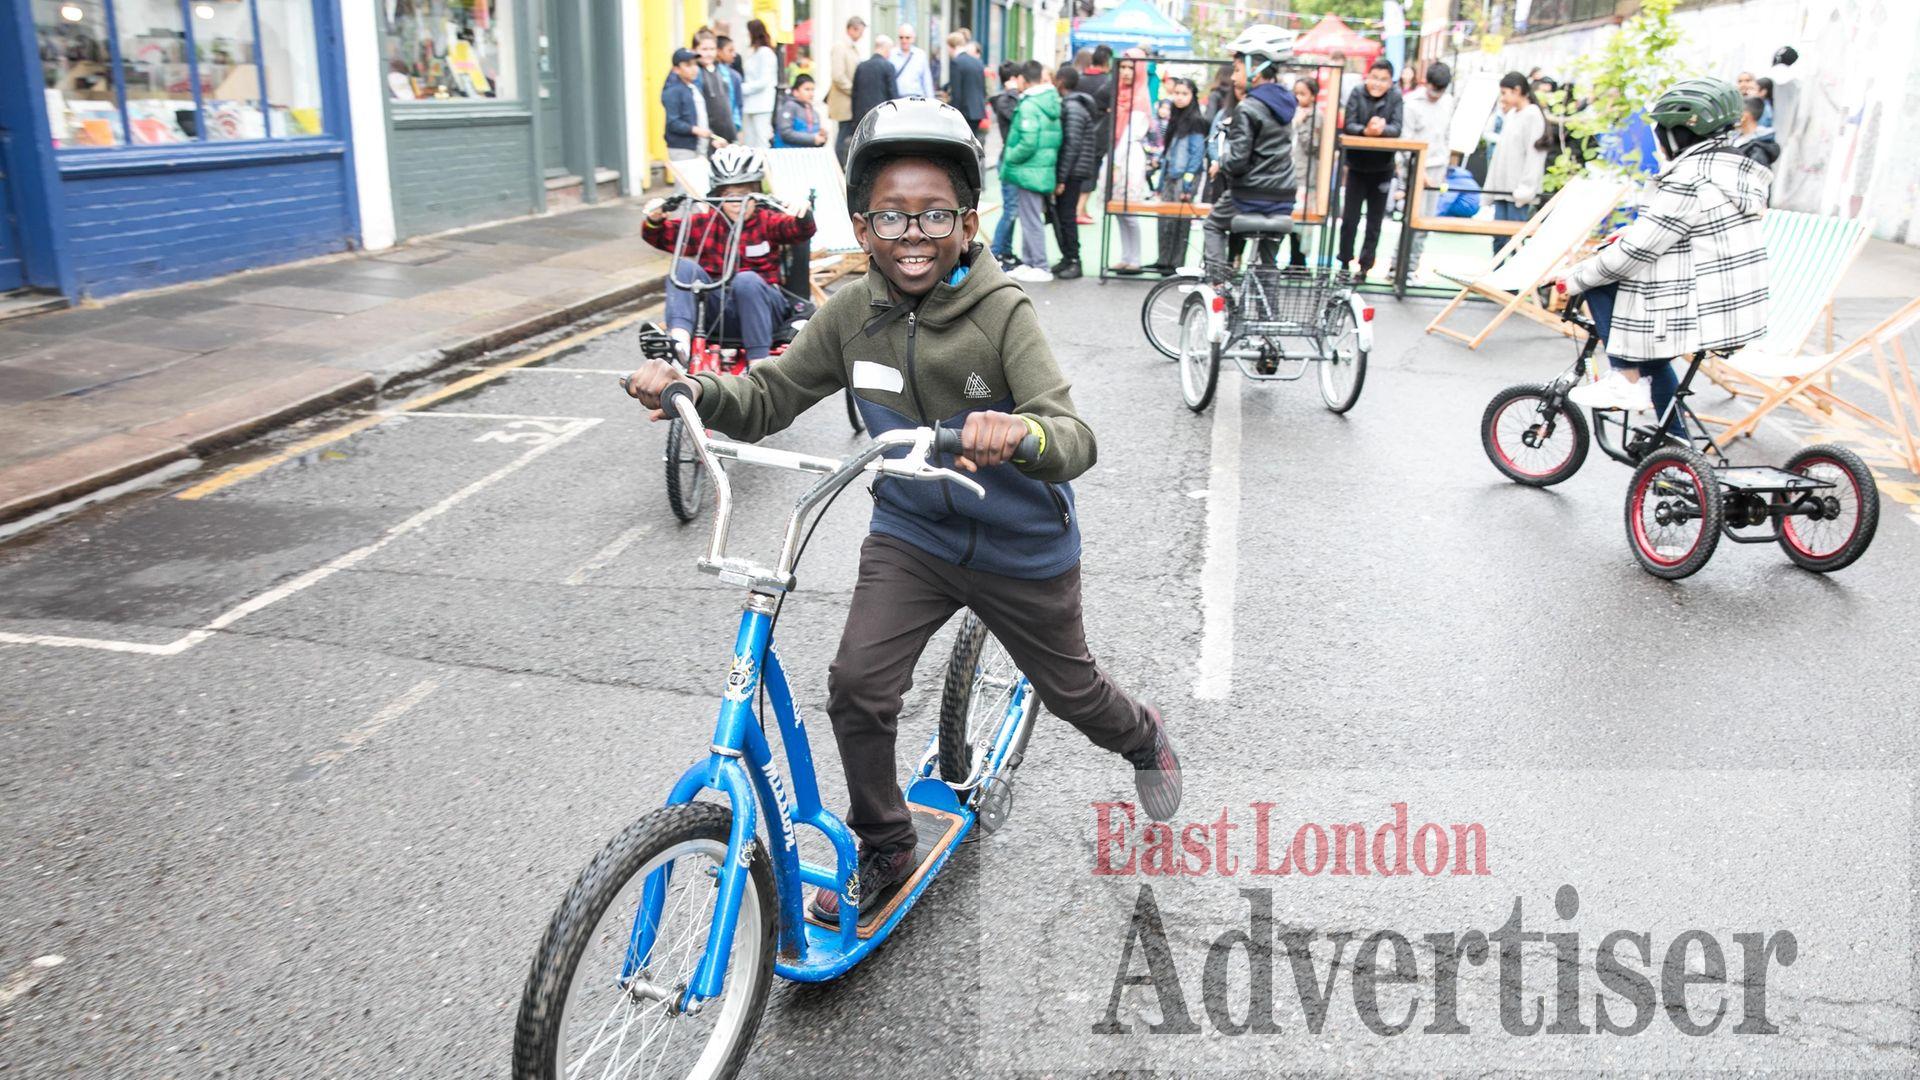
column 1521, row 301
column 1811, row 391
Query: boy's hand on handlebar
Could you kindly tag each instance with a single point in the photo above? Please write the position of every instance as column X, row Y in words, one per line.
column 652, row 379
column 990, row 438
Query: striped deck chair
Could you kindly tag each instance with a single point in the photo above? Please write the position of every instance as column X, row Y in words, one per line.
column 1533, row 255
column 1807, row 256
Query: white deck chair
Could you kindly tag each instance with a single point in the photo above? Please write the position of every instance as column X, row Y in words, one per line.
column 1533, row 255
column 1807, row 256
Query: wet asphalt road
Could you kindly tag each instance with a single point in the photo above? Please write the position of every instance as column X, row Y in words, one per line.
column 323, row 839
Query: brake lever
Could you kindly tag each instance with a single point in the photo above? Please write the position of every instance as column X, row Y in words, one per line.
column 960, row 478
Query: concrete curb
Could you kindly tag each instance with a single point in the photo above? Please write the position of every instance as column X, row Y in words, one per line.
column 80, row 470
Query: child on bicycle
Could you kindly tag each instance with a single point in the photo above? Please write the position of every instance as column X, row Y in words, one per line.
column 938, row 335
column 1690, row 273
column 1257, row 163
column 755, row 304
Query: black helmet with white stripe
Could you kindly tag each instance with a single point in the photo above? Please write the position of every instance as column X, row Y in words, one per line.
column 920, row 127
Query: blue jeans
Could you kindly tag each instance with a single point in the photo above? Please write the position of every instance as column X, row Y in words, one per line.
column 1003, row 230
column 753, row 306
column 1506, row 211
column 1661, row 380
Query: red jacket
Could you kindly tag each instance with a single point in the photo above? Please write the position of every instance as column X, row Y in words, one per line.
column 761, row 237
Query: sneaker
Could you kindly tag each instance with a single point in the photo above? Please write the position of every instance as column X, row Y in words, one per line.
column 1156, row 772
column 1007, row 262
column 1615, row 391
column 1067, row 271
column 1030, row 274
column 876, row 877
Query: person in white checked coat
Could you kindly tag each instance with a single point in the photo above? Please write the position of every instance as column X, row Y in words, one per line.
column 1690, row 273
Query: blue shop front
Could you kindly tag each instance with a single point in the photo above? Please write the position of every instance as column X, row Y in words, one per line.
column 152, row 142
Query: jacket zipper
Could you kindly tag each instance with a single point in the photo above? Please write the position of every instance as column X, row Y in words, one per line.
column 913, row 384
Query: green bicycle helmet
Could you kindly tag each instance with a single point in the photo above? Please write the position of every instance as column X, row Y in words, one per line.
column 1701, row 108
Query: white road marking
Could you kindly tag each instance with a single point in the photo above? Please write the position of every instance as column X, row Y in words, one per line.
column 23, row 981
column 311, row 577
column 360, row 736
column 1214, row 680
column 607, row 554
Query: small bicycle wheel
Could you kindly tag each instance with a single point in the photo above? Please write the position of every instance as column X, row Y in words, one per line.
column 1850, row 510
column 1160, row 314
column 853, row 414
column 686, row 476
column 1199, row 357
column 1343, row 366
column 979, row 687
column 1529, row 442
column 594, row 1007
column 1674, row 511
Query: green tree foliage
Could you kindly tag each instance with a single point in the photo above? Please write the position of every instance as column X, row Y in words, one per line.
column 1617, row 80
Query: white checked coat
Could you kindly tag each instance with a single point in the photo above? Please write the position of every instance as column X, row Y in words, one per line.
column 1692, row 267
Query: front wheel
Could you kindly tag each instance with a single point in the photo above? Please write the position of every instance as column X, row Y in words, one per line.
column 1160, row 314
column 1529, row 440
column 1674, row 511
column 1343, row 364
column 594, row 1006
column 686, row 475
column 1849, row 511
column 1199, row 355
column 979, row 689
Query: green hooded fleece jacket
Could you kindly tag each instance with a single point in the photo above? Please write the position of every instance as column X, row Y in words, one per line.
column 973, row 344
column 1033, row 143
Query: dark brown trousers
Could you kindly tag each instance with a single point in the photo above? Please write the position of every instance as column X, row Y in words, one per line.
column 902, row 597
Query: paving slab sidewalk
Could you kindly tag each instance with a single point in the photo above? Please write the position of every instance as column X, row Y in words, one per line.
column 96, row 395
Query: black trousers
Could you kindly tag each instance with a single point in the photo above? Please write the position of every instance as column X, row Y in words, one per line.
column 1066, row 224
column 1365, row 191
column 901, row 597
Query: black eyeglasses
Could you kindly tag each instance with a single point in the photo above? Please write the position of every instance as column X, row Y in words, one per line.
column 935, row 224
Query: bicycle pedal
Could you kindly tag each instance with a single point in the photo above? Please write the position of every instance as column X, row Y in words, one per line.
column 659, row 345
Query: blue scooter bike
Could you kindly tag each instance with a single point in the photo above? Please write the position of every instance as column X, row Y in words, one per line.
column 659, row 960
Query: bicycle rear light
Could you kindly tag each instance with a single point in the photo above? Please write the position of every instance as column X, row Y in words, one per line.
column 1219, row 304
column 1366, row 314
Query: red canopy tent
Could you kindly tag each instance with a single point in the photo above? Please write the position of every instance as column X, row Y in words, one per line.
column 1330, row 35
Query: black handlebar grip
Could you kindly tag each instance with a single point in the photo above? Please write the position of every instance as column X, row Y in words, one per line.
column 947, row 441
column 674, row 390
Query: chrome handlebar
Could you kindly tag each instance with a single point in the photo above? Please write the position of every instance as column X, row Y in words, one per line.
column 834, row 475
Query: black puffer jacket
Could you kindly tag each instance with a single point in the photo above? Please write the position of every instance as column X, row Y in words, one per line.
column 1259, row 157
column 1362, row 107
column 1080, row 147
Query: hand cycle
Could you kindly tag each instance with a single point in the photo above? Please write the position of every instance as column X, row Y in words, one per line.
column 709, row 350
column 1248, row 315
column 1822, row 506
column 659, row 959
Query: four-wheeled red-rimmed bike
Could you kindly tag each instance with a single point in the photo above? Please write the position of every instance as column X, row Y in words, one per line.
column 711, row 349
column 1821, row 507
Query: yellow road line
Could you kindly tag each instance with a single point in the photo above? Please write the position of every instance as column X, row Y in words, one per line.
column 228, row 477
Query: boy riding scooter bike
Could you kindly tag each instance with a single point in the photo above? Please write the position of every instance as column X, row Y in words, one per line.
column 1690, row 273
column 755, row 304
column 938, row 335
column 1257, row 165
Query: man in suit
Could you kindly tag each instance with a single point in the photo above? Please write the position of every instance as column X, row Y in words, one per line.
column 967, row 84
column 874, row 80
column 846, row 57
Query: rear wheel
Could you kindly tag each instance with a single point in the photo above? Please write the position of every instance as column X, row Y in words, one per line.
column 1160, row 314
column 1530, row 442
column 980, row 685
column 1343, row 367
column 1850, row 510
column 1674, row 511
column 594, row 1006
column 686, row 476
column 1199, row 357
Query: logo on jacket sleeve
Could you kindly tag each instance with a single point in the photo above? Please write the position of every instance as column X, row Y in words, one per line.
column 977, row 386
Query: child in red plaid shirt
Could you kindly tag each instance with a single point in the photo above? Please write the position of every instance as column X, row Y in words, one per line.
column 754, row 303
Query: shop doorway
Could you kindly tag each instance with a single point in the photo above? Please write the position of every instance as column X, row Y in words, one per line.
column 553, row 115
column 12, row 272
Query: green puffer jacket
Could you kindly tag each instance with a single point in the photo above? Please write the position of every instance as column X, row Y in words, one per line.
column 1033, row 147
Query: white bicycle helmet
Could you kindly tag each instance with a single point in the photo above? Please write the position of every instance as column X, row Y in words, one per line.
column 1263, row 45
column 735, row 164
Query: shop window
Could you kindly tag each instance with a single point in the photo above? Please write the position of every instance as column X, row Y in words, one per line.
column 166, row 72
column 450, row 50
